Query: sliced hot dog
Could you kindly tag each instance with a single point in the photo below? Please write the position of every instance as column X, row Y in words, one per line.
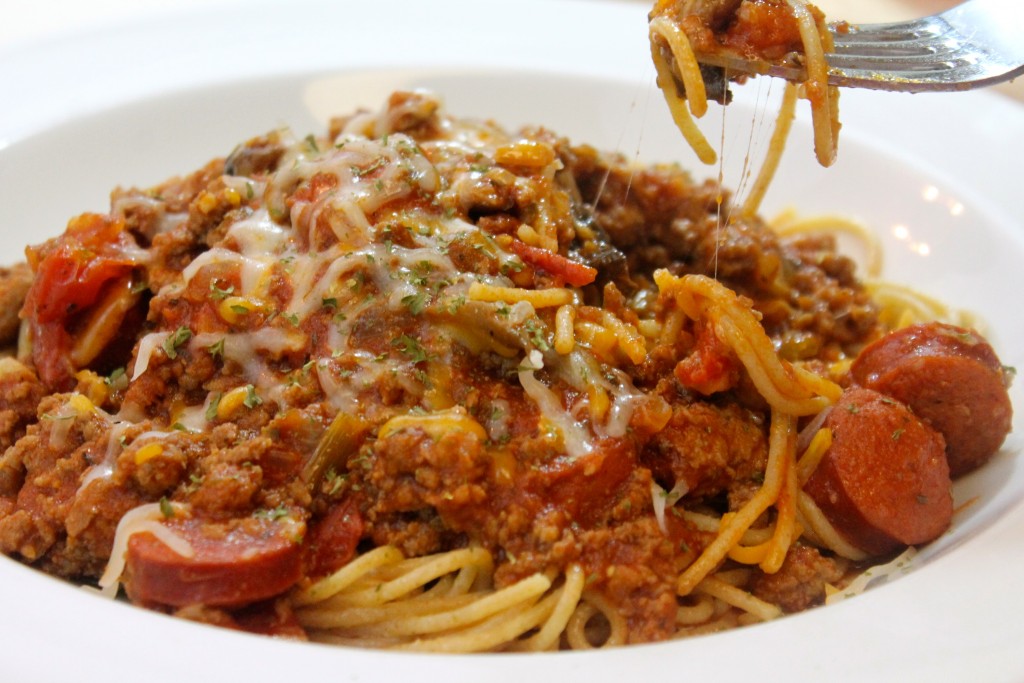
column 884, row 483
column 950, row 377
column 332, row 539
column 233, row 564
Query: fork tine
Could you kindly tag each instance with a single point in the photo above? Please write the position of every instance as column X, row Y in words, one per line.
column 965, row 47
column 868, row 50
column 866, row 41
column 902, row 74
column 917, row 29
column 974, row 44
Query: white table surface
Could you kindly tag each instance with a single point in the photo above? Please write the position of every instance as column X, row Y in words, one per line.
column 35, row 20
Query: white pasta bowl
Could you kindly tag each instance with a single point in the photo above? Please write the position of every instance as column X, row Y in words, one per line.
column 932, row 176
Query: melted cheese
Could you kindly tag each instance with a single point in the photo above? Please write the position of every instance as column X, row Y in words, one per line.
column 318, row 229
column 575, row 439
column 145, row 518
column 150, row 343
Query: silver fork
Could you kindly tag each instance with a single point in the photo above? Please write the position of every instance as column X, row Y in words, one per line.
column 975, row 44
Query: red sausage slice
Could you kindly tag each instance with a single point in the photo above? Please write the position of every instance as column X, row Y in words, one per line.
column 332, row 539
column 250, row 561
column 951, row 378
column 884, row 483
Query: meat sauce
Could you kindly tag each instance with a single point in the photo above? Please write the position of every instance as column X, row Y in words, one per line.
column 762, row 29
column 302, row 371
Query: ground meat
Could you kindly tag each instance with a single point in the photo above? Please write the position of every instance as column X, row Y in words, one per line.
column 634, row 566
column 20, row 393
column 14, row 284
column 90, row 526
column 50, row 459
column 445, row 474
column 707, row 448
column 414, row 533
column 800, row 583
column 257, row 157
column 662, row 219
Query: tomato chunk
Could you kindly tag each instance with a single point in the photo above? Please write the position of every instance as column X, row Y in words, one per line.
column 711, row 367
column 562, row 268
column 71, row 272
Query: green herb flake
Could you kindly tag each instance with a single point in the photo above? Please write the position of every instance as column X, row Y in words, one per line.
column 176, row 340
column 114, row 377
column 512, row 266
column 220, row 293
column 216, row 349
column 273, row 515
column 211, row 410
column 416, row 303
column 334, row 482
column 166, row 509
column 251, row 399
column 410, row 348
column 455, row 304
column 358, row 172
column 355, row 283
column 538, row 335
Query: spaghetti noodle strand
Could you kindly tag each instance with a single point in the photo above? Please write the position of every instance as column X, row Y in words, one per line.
column 678, row 107
column 822, row 96
column 776, row 146
column 782, row 442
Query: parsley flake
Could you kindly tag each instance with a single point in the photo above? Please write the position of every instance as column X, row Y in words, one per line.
column 211, row 410
column 176, row 340
column 216, row 349
column 416, row 303
column 251, row 400
column 410, row 348
column 272, row 515
column 220, row 293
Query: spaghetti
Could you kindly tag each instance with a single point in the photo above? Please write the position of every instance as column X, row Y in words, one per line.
column 685, row 33
column 422, row 383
